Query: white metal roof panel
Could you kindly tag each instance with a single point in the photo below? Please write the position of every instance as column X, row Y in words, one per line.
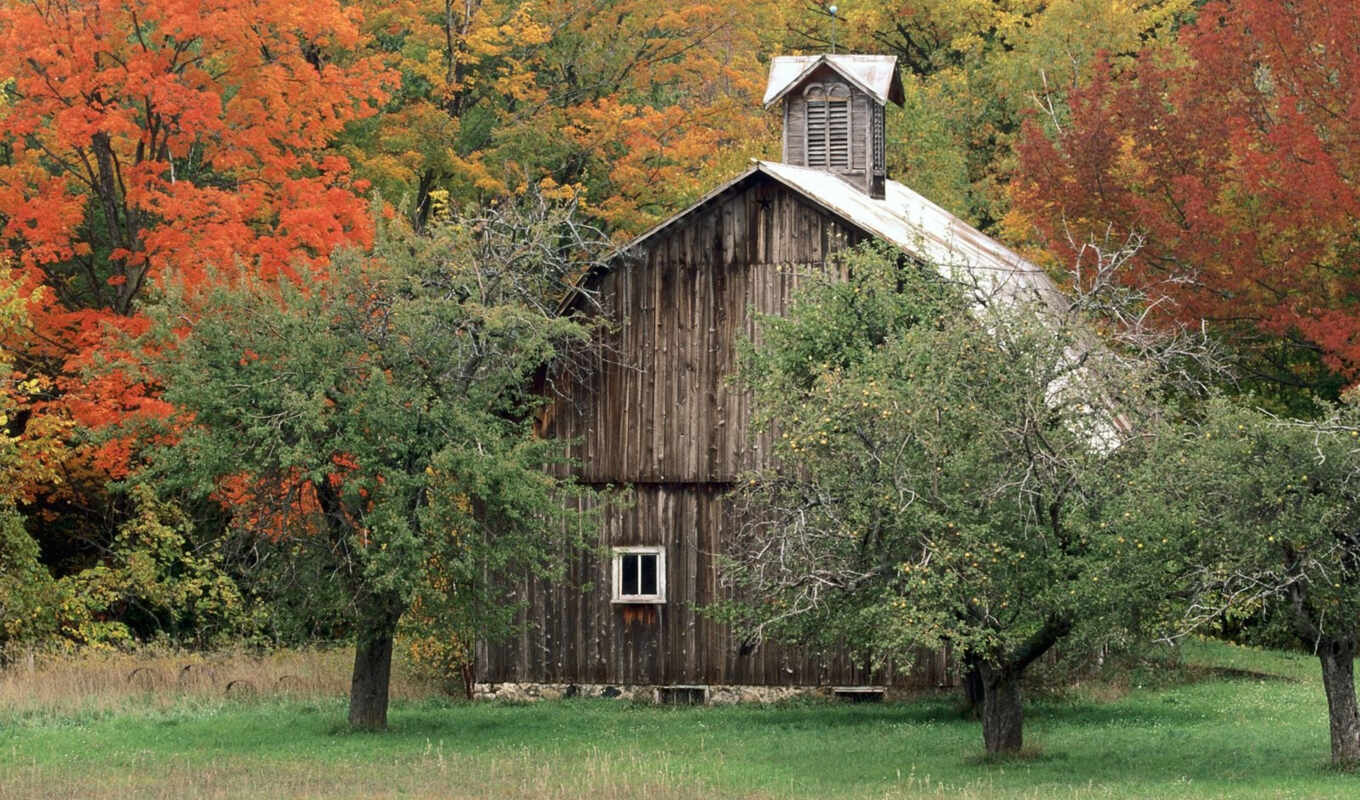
column 962, row 253
column 876, row 75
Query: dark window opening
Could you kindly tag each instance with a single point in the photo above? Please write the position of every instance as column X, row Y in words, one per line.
column 648, row 570
column 630, row 574
column 639, row 575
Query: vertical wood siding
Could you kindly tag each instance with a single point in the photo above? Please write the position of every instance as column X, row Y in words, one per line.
column 576, row 636
column 658, row 406
column 795, row 130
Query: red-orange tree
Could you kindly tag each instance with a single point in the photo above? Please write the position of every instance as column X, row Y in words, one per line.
column 146, row 138
column 1237, row 152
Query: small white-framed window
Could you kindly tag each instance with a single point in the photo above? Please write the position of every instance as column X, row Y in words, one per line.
column 639, row 575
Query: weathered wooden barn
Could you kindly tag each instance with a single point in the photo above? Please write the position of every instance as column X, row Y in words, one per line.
column 657, row 414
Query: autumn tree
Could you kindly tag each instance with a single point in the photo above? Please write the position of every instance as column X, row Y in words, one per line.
column 631, row 107
column 378, row 422
column 1236, row 153
column 944, row 455
column 26, row 609
column 146, row 141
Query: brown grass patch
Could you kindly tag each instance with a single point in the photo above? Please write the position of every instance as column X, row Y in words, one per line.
column 433, row 773
column 112, row 681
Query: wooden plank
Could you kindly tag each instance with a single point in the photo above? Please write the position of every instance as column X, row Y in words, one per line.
column 795, row 135
column 692, row 577
column 661, row 286
column 859, row 130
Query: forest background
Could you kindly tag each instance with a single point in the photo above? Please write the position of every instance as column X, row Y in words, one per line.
column 154, row 150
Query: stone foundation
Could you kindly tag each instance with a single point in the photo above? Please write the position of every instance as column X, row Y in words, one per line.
column 717, row 695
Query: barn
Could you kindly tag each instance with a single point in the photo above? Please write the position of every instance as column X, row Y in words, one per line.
column 656, row 414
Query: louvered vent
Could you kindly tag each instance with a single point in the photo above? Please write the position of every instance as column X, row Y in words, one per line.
column 816, row 132
column 880, row 159
column 828, row 126
column 838, row 132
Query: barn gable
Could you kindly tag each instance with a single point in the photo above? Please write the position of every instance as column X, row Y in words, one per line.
column 655, row 412
column 902, row 218
column 677, row 305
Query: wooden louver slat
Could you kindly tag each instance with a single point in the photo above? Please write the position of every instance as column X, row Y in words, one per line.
column 838, row 133
column 816, row 133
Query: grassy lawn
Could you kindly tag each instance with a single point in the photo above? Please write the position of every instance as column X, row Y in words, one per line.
column 1252, row 725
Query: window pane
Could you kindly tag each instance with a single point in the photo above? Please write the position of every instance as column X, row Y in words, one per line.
column 648, row 574
column 630, row 573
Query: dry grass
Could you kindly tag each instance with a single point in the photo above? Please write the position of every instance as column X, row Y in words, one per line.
column 113, row 682
column 436, row 773
column 430, row 774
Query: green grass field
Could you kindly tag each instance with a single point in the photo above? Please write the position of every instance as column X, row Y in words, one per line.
column 1247, row 724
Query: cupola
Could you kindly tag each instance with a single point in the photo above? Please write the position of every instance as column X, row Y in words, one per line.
column 833, row 113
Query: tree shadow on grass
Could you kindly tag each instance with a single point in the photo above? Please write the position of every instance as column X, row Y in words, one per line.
column 514, row 722
column 1151, row 745
column 1084, row 715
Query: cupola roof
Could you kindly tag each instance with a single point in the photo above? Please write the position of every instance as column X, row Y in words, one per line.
column 874, row 75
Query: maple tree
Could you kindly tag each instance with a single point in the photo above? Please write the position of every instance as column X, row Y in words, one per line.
column 1237, row 152
column 24, row 583
column 150, row 579
column 145, row 140
column 631, row 108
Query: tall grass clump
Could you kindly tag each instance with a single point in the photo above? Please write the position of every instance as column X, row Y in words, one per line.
column 38, row 683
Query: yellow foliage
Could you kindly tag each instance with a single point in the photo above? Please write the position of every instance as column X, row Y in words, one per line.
column 638, row 116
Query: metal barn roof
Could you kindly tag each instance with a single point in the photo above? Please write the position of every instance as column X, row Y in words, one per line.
column 908, row 221
column 875, row 75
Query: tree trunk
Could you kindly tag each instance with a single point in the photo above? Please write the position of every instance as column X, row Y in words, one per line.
column 1002, row 715
column 469, row 679
column 974, row 692
column 368, row 687
column 1338, row 679
column 373, row 662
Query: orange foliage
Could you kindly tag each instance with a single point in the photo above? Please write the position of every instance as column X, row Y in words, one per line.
column 155, row 140
column 277, row 507
column 287, row 506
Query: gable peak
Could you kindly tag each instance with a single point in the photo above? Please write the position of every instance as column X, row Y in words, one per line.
column 874, row 75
